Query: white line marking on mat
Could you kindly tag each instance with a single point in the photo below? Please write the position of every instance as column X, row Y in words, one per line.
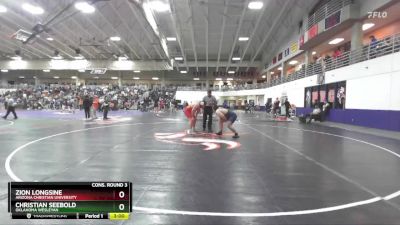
column 9, row 124
column 220, row 214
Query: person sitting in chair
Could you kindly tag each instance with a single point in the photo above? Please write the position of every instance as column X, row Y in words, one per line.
column 318, row 114
column 315, row 114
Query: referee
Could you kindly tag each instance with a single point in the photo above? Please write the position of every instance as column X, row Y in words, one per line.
column 210, row 102
column 11, row 108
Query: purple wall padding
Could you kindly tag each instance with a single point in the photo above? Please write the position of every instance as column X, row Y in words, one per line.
column 381, row 119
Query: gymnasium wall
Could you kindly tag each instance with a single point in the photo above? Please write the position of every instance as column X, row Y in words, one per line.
column 372, row 95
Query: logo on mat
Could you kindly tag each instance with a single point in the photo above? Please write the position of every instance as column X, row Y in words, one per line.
column 209, row 141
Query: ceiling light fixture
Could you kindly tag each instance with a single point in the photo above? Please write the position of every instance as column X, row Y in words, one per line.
column 122, row 58
column 255, row 5
column 171, row 38
column 235, row 58
column 50, row 39
column 96, row 77
column 196, row 78
column 56, row 77
column 136, row 71
column 21, row 77
column 57, row 57
column 35, row 10
column 74, row 77
column 279, row 68
column 178, row 58
column 293, row 62
column 4, row 71
column 231, row 71
column 114, row 78
column 115, row 38
column 183, row 71
column 272, row 72
column 79, row 57
column 136, row 78
column 229, row 79
column 159, row 6
column 81, row 71
column 154, row 78
column 3, row 9
column 263, row 76
column 218, row 78
column 243, row 38
column 336, row 41
column 17, row 57
column 46, row 71
column 313, row 53
column 84, row 7
column 366, row 26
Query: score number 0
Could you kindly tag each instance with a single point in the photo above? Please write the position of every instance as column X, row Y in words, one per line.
column 121, row 194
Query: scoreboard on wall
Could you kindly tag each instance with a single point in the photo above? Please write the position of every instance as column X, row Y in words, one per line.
column 70, row 200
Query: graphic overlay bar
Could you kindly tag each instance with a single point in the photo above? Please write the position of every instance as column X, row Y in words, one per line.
column 70, row 200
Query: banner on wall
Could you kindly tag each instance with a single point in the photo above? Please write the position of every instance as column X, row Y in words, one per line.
column 322, row 95
column 301, row 40
column 274, row 60
column 341, row 96
column 334, row 93
column 313, row 31
column 294, row 47
column 332, row 20
column 307, row 98
column 287, row 52
column 280, row 56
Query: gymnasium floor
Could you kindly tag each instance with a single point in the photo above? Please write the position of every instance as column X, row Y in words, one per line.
column 275, row 173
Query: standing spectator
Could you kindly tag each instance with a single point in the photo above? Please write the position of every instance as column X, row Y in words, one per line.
column 162, row 104
column 80, row 103
column 225, row 104
column 276, row 106
column 210, row 102
column 328, row 62
column 106, row 107
column 246, row 106
column 156, row 104
column 174, row 105
column 268, row 107
column 287, row 107
column 95, row 106
column 86, row 106
column 337, row 53
column 374, row 42
column 373, row 46
column 11, row 108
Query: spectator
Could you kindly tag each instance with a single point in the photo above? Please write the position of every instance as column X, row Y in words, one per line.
column 268, row 107
column 67, row 97
column 337, row 53
column 275, row 109
column 287, row 107
column 328, row 62
column 95, row 106
column 373, row 46
column 374, row 42
column 316, row 114
column 87, row 104
column 106, row 108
